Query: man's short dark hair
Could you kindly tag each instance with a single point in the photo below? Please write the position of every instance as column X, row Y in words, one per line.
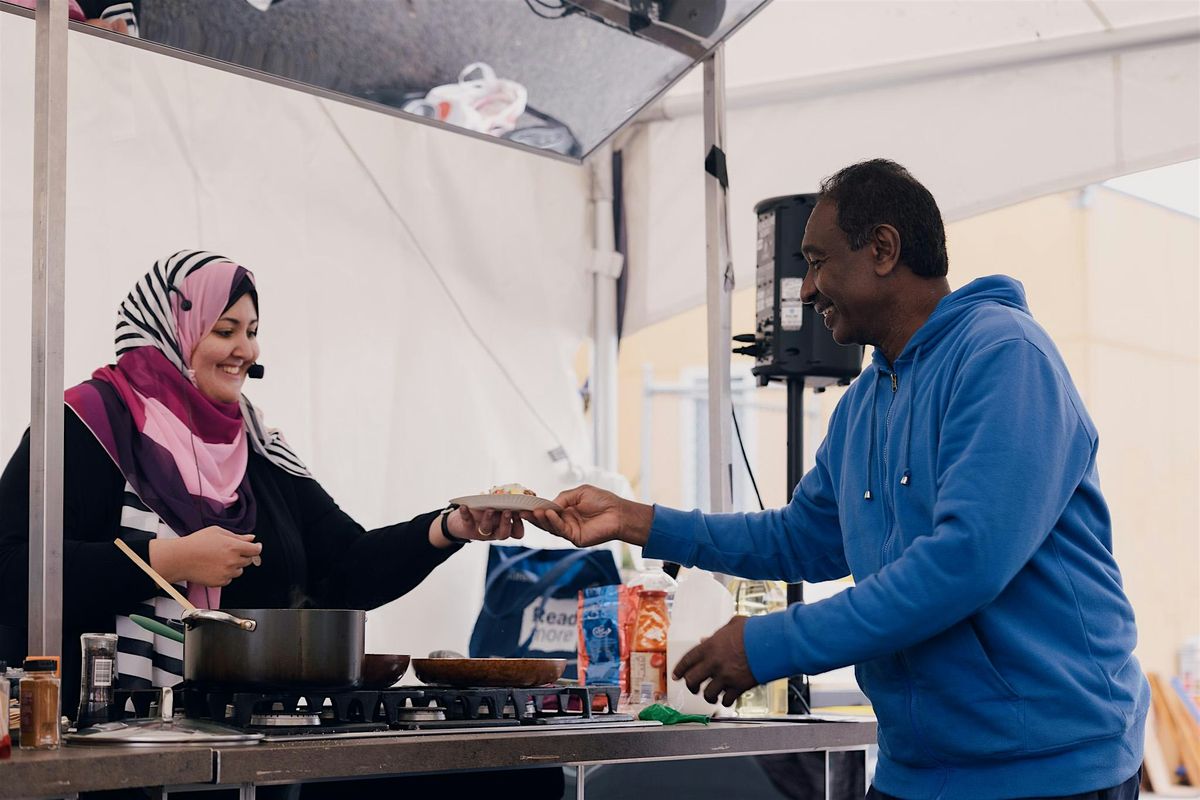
column 880, row 191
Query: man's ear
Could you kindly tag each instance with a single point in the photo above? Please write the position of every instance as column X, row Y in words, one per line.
column 885, row 247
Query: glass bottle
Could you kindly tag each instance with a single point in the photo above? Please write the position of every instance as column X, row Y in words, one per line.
column 752, row 598
column 41, row 704
column 96, row 676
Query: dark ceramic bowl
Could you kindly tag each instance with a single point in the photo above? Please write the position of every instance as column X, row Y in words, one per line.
column 505, row 672
column 381, row 670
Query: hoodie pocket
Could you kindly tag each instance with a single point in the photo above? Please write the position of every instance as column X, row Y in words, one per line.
column 885, row 682
column 963, row 707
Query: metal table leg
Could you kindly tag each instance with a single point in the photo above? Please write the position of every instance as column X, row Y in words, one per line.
column 580, row 777
column 246, row 791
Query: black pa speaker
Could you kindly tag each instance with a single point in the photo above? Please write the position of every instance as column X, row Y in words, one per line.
column 790, row 340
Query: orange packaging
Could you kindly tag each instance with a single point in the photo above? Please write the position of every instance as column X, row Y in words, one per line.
column 650, row 627
column 648, row 661
column 629, row 611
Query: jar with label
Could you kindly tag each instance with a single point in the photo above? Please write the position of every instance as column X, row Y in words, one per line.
column 41, row 702
column 96, row 676
column 5, row 736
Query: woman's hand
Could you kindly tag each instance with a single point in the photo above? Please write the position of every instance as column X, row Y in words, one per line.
column 483, row 525
column 211, row 556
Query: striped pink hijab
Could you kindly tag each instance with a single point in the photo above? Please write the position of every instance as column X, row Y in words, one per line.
column 184, row 455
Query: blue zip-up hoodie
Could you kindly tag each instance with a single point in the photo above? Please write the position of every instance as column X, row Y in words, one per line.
column 987, row 622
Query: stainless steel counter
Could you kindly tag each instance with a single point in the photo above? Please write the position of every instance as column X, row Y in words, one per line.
column 287, row 762
column 75, row 769
column 69, row 770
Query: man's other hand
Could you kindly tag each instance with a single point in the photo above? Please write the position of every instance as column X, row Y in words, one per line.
column 721, row 660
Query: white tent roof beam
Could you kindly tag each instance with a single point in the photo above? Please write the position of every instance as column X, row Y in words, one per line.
column 1123, row 40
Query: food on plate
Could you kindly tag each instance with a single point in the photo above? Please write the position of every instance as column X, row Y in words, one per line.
column 505, row 497
column 511, row 488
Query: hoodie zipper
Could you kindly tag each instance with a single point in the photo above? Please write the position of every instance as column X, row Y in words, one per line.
column 885, row 487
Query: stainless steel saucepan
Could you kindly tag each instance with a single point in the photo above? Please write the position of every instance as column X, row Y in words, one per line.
column 288, row 647
column 282, row 648
column 267, row 647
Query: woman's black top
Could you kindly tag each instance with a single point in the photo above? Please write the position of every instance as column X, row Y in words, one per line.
column 313, row 552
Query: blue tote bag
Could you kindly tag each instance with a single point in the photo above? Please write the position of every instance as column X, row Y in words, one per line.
column 530, row 601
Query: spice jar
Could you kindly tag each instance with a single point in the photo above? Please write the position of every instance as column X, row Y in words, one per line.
column 41, row 701
column 96, row 676
column 5, row 737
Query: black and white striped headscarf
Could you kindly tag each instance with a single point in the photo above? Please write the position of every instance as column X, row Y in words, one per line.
column 124, row 12
column 147, row 318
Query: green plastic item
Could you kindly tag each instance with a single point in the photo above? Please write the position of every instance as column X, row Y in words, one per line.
column 154, row 626
column 669, row 716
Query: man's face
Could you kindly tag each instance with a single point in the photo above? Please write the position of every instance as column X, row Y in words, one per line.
column 841, row 283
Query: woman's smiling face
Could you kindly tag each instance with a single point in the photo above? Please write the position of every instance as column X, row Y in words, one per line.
column 221, row 358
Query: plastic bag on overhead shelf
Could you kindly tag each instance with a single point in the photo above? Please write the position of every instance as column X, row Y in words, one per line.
column 479, row 101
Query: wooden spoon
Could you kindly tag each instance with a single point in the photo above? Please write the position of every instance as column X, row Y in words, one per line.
column 159, row 579
column 191, row 614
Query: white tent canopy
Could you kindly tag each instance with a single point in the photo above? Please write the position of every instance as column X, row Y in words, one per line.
column 988, row 103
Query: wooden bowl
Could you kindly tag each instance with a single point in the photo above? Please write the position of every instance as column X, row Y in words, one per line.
column 381, row 670
column 503, row 672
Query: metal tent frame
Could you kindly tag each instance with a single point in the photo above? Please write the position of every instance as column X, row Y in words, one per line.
column 48, row 272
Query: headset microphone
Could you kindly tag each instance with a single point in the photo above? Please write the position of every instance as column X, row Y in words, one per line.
column 184, row 303
column 255, row 371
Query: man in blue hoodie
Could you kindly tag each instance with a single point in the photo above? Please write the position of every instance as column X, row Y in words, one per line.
column 957, row 483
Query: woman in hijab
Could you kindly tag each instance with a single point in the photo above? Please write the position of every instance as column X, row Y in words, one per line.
column 164, row 451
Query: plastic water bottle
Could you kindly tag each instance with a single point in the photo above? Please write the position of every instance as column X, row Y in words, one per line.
column 702, row 605
column 652, row 578
column 752, row 598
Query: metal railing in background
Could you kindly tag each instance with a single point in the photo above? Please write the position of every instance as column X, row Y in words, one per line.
column 759, row 410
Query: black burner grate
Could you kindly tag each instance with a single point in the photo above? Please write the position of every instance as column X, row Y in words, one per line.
column 369, row 710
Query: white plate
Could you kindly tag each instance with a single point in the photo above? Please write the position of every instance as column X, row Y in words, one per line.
column 505, row 502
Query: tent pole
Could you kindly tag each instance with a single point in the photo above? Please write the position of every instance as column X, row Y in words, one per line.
column 719, row 269
column 46, row 389
column 606, row 268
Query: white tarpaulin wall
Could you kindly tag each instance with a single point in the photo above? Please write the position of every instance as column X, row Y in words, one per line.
column 372, row 372
column 981, row 100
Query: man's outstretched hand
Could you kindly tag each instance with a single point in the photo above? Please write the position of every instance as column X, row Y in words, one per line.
column 592, row 516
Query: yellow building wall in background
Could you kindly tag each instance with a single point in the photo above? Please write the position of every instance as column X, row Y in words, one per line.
column 1114, row 280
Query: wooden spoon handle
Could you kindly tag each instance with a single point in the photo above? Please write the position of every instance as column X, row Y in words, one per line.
column 159, row 579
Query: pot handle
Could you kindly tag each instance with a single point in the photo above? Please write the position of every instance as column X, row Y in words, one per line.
column 202, row 616
column 156, row 627
column 166, row 704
